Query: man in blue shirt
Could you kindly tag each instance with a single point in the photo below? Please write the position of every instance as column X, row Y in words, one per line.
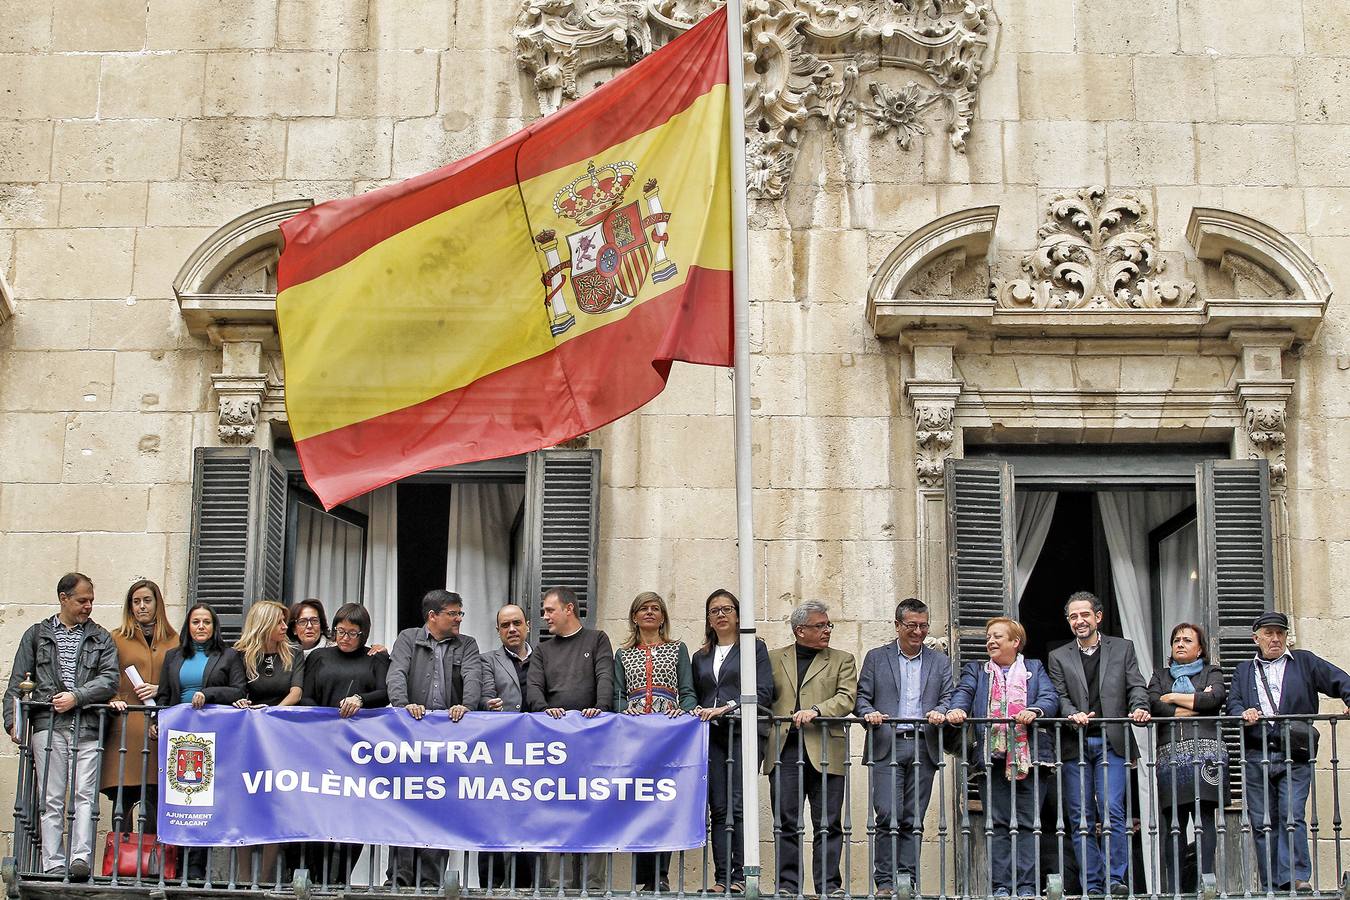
column 906, row 681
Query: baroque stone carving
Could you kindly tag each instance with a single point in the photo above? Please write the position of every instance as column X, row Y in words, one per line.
column 933, row 437
column 805, row 61
column 1097, row 251
column 241, row 398
column 1265, row 431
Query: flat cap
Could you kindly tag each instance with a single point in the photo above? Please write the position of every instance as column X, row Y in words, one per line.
column 1278, row 619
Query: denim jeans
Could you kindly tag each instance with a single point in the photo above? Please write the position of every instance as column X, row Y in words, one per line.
column 1281, row 842
column 1094, row 789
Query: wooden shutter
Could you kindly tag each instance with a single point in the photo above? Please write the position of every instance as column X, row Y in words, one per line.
column 238, row 531
column 979, row 550
column 1236, row 575
column 562, row 515
column 1236, row 572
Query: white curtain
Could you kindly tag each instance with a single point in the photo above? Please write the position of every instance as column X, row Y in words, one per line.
column 478, row 562
column 1035, row 510
column 1127, row 518
column 1178, row 562
column 327, row 563
column 381, row 586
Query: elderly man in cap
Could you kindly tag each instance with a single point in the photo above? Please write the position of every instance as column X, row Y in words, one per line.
column 1279, row 755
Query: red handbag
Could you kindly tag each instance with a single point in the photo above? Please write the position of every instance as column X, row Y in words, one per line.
column 154, row 858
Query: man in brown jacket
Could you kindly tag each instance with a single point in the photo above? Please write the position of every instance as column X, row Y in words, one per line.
column 807, row 760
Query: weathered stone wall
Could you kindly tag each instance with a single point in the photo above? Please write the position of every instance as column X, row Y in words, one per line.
column 130, row 130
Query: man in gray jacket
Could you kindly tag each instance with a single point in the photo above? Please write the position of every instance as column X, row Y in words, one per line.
column 73, row 662
column 903, row 679
column 431, row 668
column 1097, row 677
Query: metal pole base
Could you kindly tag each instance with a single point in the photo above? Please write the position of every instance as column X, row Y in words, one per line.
column 904, row 887
column 1209, row 886
column 10, row 873
column 300, row 883
column 451, row 888
column 1054, row 887
column 751, row 883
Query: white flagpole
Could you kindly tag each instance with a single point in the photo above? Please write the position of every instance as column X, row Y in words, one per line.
column 745, row 534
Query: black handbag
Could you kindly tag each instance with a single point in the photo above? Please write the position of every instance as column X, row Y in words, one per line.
column 1299, row 739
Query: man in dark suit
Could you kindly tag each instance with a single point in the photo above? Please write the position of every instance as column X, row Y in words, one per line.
column 903, row 679
column 1097, row 677
column 505, row 670
column 1282, row 682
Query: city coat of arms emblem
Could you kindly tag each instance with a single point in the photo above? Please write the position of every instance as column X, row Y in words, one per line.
column 191, row 765
column 615, row 250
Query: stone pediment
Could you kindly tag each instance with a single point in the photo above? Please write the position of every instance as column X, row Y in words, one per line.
column 1096, row 271
column 899, row 67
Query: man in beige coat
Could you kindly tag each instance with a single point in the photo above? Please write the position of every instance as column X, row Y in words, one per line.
column 805, row 760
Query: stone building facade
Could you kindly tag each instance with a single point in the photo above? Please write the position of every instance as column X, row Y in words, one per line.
column 1108, row 230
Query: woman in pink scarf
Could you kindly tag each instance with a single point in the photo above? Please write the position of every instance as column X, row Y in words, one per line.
column 1012, row 692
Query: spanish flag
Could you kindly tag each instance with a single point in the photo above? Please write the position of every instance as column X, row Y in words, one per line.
column 528, row 294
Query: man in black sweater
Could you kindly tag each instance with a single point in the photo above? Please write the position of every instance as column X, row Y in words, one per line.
column 574, row 669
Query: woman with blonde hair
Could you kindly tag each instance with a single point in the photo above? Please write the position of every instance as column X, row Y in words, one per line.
column 274, row 670
column 652, row 674
column 130, row 770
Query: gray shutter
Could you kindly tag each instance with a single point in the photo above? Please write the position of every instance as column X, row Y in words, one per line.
column 1236, row 576
column 562, row 515
column 238, row 531
column 979, row 550
column 1236, row 573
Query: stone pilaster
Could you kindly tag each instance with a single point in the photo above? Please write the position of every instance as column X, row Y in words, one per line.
column 1262, row 393
column 242, row 386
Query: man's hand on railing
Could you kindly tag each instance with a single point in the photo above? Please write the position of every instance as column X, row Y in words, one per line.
column 117, row 705
column 64, row 702
column 1251, row 716
column 935, row 718
column 416, row 710
column 874, row 718
column 1140, row 716
column 804, row 716
column 1081, row 719
column 1025, row 717
column 955, row 717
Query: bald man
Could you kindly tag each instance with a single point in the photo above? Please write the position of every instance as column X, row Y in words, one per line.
column 506, row 668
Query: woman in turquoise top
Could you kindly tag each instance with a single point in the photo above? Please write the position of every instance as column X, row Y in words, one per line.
column 652, row 674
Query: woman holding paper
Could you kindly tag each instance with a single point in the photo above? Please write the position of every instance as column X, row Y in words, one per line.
column 130, row 771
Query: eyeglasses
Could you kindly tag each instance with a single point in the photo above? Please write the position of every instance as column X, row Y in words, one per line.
column 307, row 622
column 346, row 633
column 913, row 626
column 719, row 611
column 820, row 626
column 452, row 613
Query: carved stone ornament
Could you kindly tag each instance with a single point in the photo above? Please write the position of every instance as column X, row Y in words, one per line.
column 933, row 437
column 1265, row 431
column 804, row 60
column 241, row 398
column 1098, row 250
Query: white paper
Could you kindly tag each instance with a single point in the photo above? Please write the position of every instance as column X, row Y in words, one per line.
column 136, row 681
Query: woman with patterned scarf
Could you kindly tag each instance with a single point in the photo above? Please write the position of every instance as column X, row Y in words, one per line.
column 1013, row 692
column 652, row 674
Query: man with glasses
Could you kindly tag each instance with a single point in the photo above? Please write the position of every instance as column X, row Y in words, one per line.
column 806, row 761
column 902, row 679
column 433, row 667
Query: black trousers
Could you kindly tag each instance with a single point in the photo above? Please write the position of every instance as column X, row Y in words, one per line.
column 1182, row 865
column 795, row 781
column 649, row 869
column 495, row 869
column 124, row 817
column 1008, row 803
column 413, row 867
column 725, row 805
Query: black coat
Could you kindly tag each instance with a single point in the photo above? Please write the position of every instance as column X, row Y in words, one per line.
column 1210, row 694
column 727, row 686
column 222, row 682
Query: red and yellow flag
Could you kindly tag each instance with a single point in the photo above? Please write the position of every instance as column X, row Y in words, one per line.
column 520, row 297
